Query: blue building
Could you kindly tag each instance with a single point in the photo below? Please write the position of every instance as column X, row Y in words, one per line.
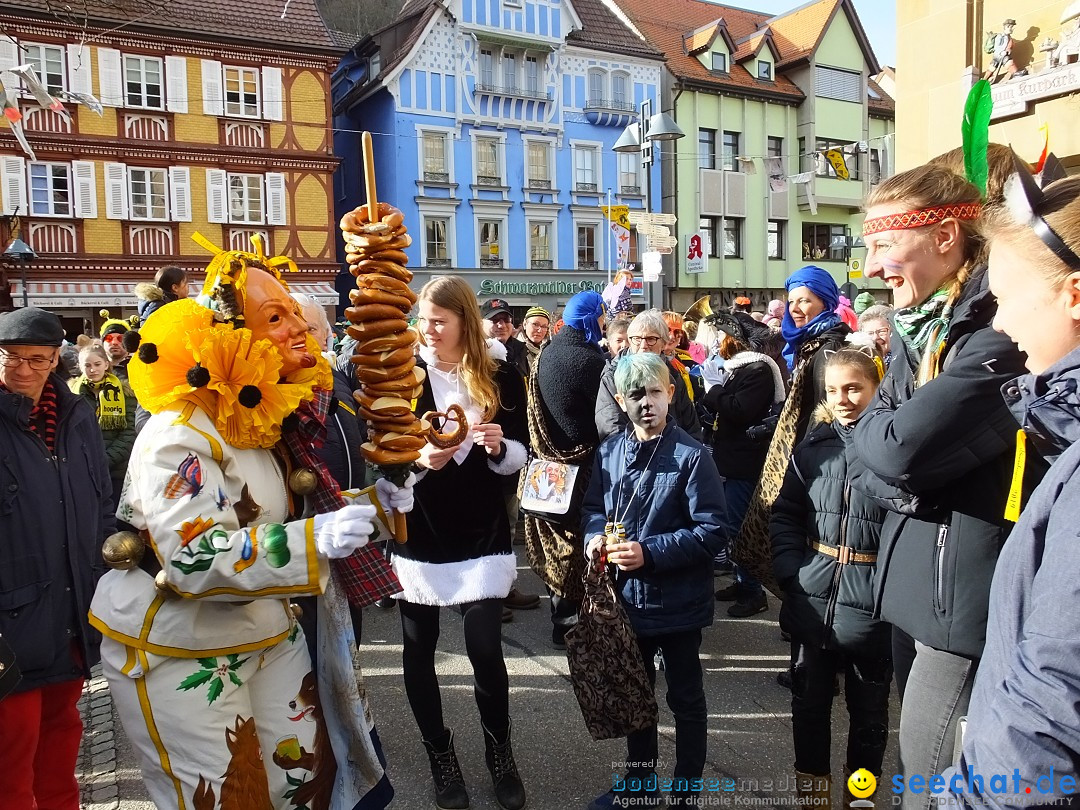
column 493, row 123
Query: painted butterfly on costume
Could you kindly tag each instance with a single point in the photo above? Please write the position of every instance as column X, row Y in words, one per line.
column 188, row 479
column 222, row 500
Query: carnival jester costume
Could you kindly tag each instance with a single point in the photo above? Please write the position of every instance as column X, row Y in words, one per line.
column 204, row 655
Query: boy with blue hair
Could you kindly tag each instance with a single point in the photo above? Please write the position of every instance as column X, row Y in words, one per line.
column 661, row 491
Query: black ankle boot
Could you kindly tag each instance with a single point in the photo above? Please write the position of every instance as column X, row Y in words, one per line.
column 450, row 793
column 509, row 792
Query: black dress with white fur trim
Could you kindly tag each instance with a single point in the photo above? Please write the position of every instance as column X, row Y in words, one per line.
column 459, row 535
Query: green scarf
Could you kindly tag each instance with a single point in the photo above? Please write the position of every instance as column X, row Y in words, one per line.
column 925, row 328
column 111, row 408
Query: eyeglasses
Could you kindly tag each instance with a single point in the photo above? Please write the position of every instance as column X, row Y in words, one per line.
column 8, row 360
column 882, row 333
column 649, row 341
column 501, row 319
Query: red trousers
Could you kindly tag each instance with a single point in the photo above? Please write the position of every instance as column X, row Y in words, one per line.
column 40, row 731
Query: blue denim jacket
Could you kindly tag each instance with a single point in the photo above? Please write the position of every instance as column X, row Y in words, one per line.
column 676, row 515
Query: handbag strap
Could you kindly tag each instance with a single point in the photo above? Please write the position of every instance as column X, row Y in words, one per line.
column 542, row 446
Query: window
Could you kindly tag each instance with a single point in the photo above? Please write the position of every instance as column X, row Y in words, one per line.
column 776, row 239
column 731, row 151
column 629, row 176
column 532, row 76
column 732, row 238
column 487, row 162
column 48, row 63
column 490, row 248
column 509, row 64
column 241, row 92
column 586, row 247
column 596, row 87
column 719, row 62
column 824, row 168
column 706, row 147
column 50, row 189
column 487, row 68
column 436, row 250
column 774, row 146
column 875, row 166
column 824, row 242
column 246, row 198
column 539, row 166
column 764, row 70
column 540, row 245
column 842, row 85
column 618, row 90
column 374, row 65
column 707, row 231
column 435, row 166
column 585, row 171
column 142, row 82
column 148, row 189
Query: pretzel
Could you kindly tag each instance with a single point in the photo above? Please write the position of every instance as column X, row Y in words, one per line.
column 369, row 374
column 454, row 413
column 373, row 312
column 379, row 267
column 384, row 457
column 384, row 343
column 387, row 284
column 393, row 357
column 371, row 295
column 392, row 440
column 367, row 329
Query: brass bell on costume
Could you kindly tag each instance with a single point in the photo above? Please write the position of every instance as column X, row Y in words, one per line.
column 123, row 550
column 303, row 481
column 296, row 611
column 163, row 586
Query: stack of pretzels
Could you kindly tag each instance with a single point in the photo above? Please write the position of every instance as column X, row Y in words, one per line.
column 385, row 351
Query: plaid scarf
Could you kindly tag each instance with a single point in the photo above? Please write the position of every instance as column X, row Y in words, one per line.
column 43, row 417
column 365, row 575
column 915, row 324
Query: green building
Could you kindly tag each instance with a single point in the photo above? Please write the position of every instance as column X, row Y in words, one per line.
column 775, row 111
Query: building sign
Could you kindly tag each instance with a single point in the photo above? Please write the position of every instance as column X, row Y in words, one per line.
column 1012, row 97
column 695, row 254
column 496, row 286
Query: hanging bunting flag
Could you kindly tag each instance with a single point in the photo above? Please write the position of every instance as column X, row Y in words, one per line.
column 777, row 184
column 804, row 177
column 836, row 159
column 774, row 167
column 619, row 219
column 747, row 165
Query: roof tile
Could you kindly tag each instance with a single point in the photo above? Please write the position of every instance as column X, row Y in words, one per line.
column 602, row 30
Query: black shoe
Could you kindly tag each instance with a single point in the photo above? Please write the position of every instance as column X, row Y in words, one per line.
column 729, row 594
column 784, row 678
column 558, row 637
column 521, row 601
column 509, row 791
column 785, row 635
column 749, row 606
column 507, row 615
column 450, row 792
column 386, row 603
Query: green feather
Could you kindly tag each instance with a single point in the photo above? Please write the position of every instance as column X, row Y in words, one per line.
column 975, row 132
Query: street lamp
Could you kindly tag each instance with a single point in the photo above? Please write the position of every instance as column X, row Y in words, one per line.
column 20, row 252
column 639, row 137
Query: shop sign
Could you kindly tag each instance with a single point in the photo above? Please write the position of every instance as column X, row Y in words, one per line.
column 496, row 286
column 1012, row 97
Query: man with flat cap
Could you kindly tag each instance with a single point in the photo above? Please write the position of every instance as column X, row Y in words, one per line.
column 54, row 514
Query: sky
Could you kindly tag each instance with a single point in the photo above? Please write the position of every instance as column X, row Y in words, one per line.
column 878, row 18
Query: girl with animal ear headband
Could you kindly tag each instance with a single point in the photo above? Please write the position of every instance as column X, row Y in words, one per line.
column 206, row 658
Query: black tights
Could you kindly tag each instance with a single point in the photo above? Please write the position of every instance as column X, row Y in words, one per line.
column 482, row 624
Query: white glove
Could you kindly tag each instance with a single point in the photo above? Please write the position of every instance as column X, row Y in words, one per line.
column 391, row 496
column 712, row 371
column 338, row 534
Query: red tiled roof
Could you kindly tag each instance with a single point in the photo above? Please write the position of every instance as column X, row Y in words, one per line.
column 885, row 107
column 259, row 22
column 798, row 33
column 602, row 30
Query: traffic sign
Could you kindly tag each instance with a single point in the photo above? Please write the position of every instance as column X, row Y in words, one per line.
column 662, row 241
column 646, row 218
column 653, row 230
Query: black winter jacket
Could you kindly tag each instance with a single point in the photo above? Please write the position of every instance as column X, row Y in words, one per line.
column 55, row 511
column 940, row 457
column 568, row 371
column 744, row 399
column 610, row 418
column 345, row 432
column 827, row 604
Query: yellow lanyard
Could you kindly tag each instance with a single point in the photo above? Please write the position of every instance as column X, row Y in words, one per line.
column 1012, row 505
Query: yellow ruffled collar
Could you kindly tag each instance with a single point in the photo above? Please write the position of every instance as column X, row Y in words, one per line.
column 185, row 356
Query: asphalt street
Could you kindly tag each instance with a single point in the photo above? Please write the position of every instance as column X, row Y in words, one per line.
column 562, row 767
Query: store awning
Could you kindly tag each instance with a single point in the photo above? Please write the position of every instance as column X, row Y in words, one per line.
column 82, row 294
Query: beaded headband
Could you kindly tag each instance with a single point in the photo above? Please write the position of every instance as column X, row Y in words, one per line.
column 925, row 216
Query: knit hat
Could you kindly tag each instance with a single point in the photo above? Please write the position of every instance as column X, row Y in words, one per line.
column 863, row 301
column 537, row 312
column 30, row 326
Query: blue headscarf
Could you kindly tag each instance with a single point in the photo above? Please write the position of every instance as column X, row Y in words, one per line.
column 821, row 284
column 583, row 312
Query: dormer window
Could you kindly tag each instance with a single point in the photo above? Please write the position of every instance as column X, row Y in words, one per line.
column 764, row 70
column 719, row 61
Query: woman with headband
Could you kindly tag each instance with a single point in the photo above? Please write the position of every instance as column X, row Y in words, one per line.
column 205, row 656
column 935, row 447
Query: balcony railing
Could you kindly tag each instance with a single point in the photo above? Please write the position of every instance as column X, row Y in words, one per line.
column 437, row 262
column 589, row 266
column 488, row 180
column 633, row 191
column 513, row 90
column 491, row 262
column 437, row 177
column 609, row 104
column 588, row 187
column 542, row 264
column 536, row 183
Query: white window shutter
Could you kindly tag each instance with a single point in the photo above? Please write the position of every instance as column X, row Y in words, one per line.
column 273, row 94
column 116, row 191
column 180, row 193
column 85, row 175
column 9, row 52
column 176, row 95
column 216, row 198
column 110, row 77
column 275, row 199
column 13, row 184
column 213, row 90
column 79, row 76
column 735, row 194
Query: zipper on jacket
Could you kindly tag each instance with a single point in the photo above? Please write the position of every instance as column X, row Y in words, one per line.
column 939, row 568
column 838, row 572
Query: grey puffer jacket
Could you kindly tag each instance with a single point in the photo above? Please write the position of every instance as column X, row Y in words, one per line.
column 827, row 604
